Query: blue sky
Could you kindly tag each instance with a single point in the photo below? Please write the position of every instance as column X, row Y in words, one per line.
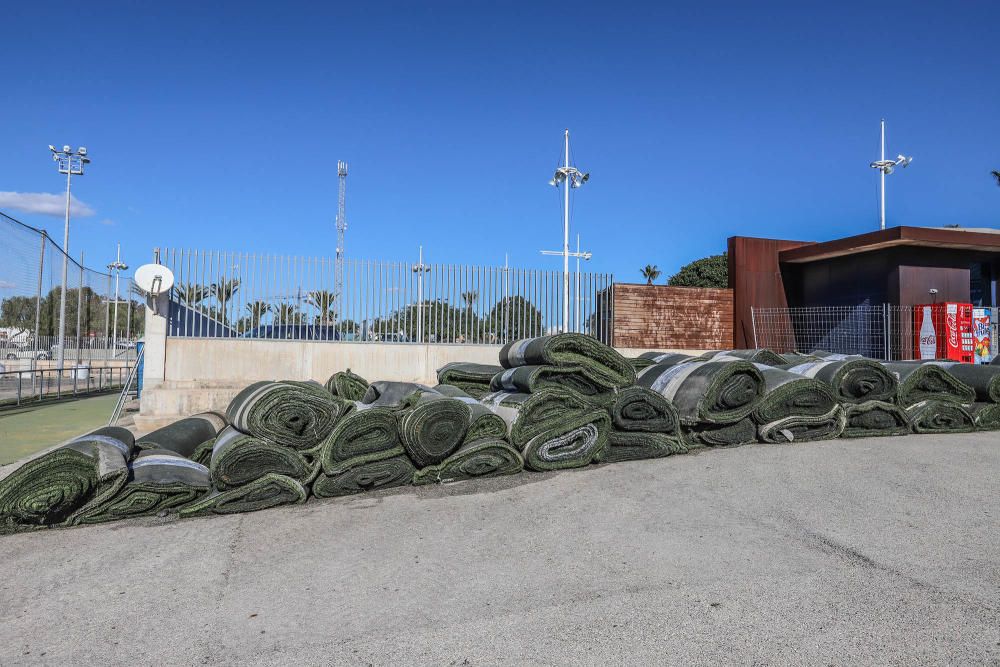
column 218, row 125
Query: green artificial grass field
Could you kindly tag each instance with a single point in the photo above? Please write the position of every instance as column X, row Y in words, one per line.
column 32, row 428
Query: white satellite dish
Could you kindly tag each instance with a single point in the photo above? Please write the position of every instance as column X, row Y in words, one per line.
column 154, row 279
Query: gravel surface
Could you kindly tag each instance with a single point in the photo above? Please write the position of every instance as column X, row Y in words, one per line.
column 878, row 551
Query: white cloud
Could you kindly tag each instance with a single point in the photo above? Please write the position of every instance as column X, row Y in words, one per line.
column 44, row 203
column 6, row 284
column 108, row 222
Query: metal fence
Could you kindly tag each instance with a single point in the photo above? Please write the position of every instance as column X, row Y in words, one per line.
column 19, row 387
column 878, row 331
column 239, row 295
column 30, row 294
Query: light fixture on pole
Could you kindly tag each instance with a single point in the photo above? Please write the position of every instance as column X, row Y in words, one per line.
column 420, row 269
column 117, row 266
column 569, row 177
column 886, row 167
column 579, row 255
column 71, row 163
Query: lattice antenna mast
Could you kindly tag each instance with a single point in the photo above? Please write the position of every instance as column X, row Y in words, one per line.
column 341, row 228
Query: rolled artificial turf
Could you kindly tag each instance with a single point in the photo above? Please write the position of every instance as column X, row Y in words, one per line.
column 347, row 385
column 578, row 441
column 789, row 395
column 804, row 427
column 643, row 410
column 528, row 379
column 873, row 419
column 268, row 491
column 984, row 379
column 600, row 362
column 928, row 382
column 369, row 430
column 757, row 356
column 66, row 482
column 239, row 458
column 184, row 436
column 633, row 445
column 473, row 379
column 707, row 392
column 159, row 480
column 485, row 423
column 986, row 416
column 852, row 380
column 543, row 412
column 742, row 432
column 940, row 417
column 487, row 457
column 295, row 414
column 365, row 473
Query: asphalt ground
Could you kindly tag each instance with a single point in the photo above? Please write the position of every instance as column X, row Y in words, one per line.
column 851, row 552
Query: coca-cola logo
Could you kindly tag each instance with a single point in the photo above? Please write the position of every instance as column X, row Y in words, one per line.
column 951, row 321
column 928, row 340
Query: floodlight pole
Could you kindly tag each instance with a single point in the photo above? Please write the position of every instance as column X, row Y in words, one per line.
column 117, row 266
column 882, row 190
column 420, row 269
column 568, row 183
column 65, row 278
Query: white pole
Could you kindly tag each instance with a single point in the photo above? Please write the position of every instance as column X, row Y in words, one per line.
column 882, row 215
column 567, row 183
column 65, row 272
column 114, row 329
column 420, row 296
column 577, row 327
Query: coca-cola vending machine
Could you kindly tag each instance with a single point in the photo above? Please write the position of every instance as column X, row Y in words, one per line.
column 943, row 331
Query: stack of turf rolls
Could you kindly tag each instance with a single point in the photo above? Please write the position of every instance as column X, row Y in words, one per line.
column 552, row 402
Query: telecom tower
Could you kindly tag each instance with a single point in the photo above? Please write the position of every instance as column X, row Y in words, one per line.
column 341, row 228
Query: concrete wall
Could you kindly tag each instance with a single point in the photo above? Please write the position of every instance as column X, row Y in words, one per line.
column 662, row 317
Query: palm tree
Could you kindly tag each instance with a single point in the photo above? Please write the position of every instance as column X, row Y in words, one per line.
column 223, row 291
column 324, row 301
column 996, row 175
column 190, row 294
column 650, row 272
column 287, row 313
column 257, row 311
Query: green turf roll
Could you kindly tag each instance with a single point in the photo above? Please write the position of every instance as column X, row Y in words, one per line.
column 159, row 480
column 271, row 490
column 632, row 446
column 473, row 379
column 487, row 457
column 599, row 361
column 742, row 432
column 238, row 459
column 707, row 392
column 58, row 486
column 294, row 414
column 787, row 395
column 578, row 441
column 433, row 428
column 852, row 380
column 986, row 416
column 365, row 473
column 529, row 379
column 875, row 418
column 530, row 415
column 203, row 453
column 983, row 378
column 366, row 430
column 940, row 417
column 184, row 436
column 928, row 382
column 643, row 410
column 485, row 423
column 347, row 385
column 757, row 356
column 804, row 427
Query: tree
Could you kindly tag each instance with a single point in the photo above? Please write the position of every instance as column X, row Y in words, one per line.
column 18, row 312
column 515, row 317
column 223, row 292
column 996, row 175
column 287, row 313
column 190, row 294
column 710, row 271
column 650, row 272
column 324, row 301
column 257, row 311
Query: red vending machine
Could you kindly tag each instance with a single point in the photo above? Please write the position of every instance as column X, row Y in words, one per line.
column 943, row 331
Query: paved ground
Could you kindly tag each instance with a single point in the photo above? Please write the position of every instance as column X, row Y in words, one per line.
column 880, row 551
column 32, row 428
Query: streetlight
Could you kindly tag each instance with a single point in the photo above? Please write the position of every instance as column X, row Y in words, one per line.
column 117, row 266
column 70, row 163
column 574, row 178
column 886, row 167
column 420, row 269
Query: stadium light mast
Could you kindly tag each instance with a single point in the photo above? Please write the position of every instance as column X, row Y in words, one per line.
column 71, row 163
column 117, row 266
column 570, row 177
column 338, row 289
column 885, row 168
